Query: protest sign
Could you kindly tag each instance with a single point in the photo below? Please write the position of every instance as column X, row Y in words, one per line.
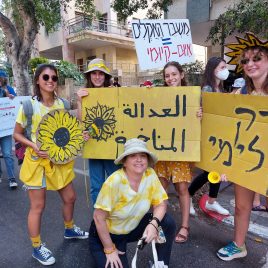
column 160, row 41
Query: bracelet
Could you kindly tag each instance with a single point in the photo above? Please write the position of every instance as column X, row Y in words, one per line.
column 154, row 226
column 157, row 220
column 110, row 251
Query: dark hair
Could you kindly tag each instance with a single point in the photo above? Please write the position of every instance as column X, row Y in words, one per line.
column 209, row 78
column 179, row 68
column 89, row 84
column 3, row 81
column 40, row 68
column 249, row 83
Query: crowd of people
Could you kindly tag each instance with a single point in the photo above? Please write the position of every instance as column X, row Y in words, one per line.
column 129, row 194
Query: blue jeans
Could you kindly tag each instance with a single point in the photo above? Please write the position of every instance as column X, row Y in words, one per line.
column 163, row 250
column 99, row 170
column 6, row 147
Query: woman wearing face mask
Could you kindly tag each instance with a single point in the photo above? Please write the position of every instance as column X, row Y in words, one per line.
column 215, row 73
column 97, row 76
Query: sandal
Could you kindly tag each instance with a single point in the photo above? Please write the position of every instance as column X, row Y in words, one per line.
column 259, row 208
column 182, row 238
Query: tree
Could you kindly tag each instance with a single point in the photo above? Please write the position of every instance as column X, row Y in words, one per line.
column 20, row 21
column 126, row 8
column 247, row 15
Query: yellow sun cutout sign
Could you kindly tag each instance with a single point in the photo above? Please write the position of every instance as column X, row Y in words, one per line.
column 60, row 134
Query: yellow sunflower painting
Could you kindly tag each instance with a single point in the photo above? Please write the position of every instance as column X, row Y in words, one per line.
column 60, row 134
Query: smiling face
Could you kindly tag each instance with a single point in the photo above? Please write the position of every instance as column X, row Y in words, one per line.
column 97, row 78
column 47, row 81
column 173, row 76
column 136, row 163
column 255, row 65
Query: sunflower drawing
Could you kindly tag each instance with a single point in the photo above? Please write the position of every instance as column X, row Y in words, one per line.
column 103, row 117
column 60, row 134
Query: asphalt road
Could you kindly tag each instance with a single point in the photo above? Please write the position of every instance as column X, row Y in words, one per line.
column 206, row 236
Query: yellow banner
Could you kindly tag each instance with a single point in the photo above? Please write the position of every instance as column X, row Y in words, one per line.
column 234, row 138
column 165, row 117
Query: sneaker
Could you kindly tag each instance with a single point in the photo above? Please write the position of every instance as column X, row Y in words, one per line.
column 12, row 183
column 232, row 251
column 192, row 210
column 75, row 232
column 217, row 208
column 43, row 255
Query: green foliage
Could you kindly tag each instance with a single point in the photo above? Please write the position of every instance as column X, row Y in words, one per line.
column 194, row 67
column 247, row 15
column 69, row 70
column 34, row 62
column 158, row 8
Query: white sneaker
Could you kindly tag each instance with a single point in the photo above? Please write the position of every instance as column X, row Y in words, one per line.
column 192, row 210
column 217, row 208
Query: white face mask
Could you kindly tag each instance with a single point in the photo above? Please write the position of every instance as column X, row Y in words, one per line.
column 222, row 74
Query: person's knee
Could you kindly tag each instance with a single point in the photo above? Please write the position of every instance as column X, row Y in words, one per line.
column 38, row 207
column 242, row 209
column 71, row 198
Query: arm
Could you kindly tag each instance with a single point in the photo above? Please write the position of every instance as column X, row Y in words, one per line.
column 100, row 217
column 159, row 212
column 19, row 136
column 80, row 94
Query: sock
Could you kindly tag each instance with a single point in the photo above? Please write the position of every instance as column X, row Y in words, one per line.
column 69, row 224
column 36, row 241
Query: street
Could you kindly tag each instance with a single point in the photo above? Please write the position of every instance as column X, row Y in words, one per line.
column 206, row 236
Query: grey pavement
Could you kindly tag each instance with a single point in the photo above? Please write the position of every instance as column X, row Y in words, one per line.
column 206, row 235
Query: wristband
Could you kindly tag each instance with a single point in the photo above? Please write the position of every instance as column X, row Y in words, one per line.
column 157, row 220
column 110, row 251
column 154, row 226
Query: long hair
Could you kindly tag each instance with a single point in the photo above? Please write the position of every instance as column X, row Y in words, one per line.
column 179, row 68
column 40, row 68
column 3, row 81
column 89, row 83
column 249, row 82
column 209, row 78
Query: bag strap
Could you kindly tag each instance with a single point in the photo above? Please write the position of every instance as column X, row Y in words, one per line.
column 66, row 104
column 28, row 111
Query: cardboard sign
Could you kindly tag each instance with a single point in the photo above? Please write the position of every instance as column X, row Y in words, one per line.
column 164, row 117
column 160, row 41
column 234, row 138
column 8, row 114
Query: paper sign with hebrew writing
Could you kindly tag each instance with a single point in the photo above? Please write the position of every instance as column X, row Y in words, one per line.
column 165, row 117
column 60, row 134
column 160, row 41
column 234, row 138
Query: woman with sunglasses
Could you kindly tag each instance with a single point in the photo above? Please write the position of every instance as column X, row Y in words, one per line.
column 35, row 175
column 97, row 75
column 215, row 73
column 254, row 62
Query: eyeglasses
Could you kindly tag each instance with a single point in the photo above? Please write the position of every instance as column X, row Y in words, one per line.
column 256, row 58
column 46, row 77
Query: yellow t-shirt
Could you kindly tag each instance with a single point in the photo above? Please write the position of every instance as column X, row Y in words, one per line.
column 39, row 110
column 125, row 206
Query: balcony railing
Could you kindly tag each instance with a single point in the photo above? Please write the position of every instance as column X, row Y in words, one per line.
column 81, row 23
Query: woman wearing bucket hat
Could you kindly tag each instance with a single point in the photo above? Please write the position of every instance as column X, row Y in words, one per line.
column 121, row 210
column 250, row 55
column 97, row 75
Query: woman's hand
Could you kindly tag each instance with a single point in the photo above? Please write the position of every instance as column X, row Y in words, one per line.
column 224, row 177
column 114, row 260
column 42, row 154
column 86, row 135
column 199, row 113
column 81, row 93
column 150, row 233
column 10, row 96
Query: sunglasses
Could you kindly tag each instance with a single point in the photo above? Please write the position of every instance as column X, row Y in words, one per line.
column 46, row 77
column 256, row 58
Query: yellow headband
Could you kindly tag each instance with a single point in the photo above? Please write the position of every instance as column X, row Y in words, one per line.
column 237, row 49
column 98, row 65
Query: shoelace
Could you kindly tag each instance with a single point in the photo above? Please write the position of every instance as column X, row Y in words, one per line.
column 78, row 230
column 232, row 248
column 45, row 253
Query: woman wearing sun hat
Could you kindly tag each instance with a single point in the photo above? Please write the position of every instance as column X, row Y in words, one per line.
column 97, row 75
column 121, row 210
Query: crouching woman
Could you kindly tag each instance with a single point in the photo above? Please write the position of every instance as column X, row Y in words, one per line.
column 121, row 210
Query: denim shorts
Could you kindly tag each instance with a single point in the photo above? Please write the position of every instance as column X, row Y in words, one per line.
column 28, row 187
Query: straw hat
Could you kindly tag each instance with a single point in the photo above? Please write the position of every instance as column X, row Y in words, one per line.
column 134, row 146
column 97, row 65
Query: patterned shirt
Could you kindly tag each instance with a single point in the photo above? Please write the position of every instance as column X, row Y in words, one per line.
column 125, row 206
column 39, row 110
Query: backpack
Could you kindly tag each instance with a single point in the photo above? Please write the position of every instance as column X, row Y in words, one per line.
column 28, row 111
